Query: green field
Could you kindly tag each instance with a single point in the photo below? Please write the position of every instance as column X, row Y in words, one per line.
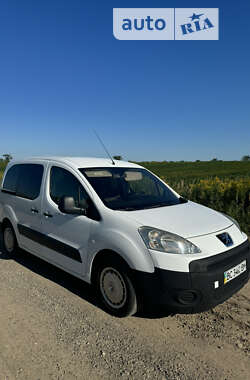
column 199, row 170
column 2, row 167
column 221, row 185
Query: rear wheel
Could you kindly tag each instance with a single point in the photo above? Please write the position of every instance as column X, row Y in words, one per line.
column 9, row 239
column 116, row 290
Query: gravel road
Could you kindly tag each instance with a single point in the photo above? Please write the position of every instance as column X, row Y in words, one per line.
column 52, row 328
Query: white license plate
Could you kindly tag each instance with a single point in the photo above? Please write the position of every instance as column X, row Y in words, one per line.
column 235, row 271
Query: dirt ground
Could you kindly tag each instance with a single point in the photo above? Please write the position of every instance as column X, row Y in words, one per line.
column 52, row 328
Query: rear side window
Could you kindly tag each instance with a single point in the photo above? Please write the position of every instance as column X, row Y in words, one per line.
column 24, row 180
column 11, row 178
column 29, row 182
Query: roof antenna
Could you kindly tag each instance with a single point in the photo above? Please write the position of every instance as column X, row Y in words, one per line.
column 104, row 147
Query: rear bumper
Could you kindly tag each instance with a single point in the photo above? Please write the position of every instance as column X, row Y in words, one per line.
column 194, row 291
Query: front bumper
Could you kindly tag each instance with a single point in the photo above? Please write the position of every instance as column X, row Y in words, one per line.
column 194, row 291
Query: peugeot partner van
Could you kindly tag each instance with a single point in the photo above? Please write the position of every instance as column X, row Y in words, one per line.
column 121, row 228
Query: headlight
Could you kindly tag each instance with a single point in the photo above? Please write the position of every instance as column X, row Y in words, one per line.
column 166, row 242
column 232, row 220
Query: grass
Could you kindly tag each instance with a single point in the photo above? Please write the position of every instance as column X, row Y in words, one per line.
column 2, row 167
column 223, row 186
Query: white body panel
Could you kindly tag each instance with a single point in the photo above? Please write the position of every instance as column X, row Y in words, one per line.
column 186, row 220
column 68, row 229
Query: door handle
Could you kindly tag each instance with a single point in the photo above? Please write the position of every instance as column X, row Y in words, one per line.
column 34, row 210
column 48, row 214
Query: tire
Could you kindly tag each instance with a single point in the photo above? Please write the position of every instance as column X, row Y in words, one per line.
column 9, row 240
column 115, row 289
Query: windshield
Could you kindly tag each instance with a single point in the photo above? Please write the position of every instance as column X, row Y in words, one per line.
column 129, row 189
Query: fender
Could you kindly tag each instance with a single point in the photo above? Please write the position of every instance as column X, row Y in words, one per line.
column 130, row 249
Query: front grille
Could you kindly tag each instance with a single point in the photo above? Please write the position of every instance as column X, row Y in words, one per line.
column 222, row 261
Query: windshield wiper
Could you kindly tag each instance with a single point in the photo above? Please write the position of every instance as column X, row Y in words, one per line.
column 183, row 200
column 164, row 204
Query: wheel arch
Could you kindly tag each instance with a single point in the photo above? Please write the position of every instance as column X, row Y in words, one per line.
column 6, row 221
column 101, row 257
column 9, row 216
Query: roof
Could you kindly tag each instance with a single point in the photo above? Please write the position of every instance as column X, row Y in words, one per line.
column 83, row 162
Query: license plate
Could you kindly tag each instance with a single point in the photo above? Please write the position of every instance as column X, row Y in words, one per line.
column 235, row 271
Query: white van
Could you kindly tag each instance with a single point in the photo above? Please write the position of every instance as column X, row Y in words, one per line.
column 119, row 227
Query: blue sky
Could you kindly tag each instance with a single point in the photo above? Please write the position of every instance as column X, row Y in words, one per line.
column 63, row 74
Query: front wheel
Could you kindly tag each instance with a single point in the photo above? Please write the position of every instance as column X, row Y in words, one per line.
column 116, row 290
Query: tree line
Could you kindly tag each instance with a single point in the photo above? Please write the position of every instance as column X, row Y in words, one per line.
column 7, row 157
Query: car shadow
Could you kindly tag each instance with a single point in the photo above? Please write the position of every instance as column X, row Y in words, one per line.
column 68, row 281
column 54, row 274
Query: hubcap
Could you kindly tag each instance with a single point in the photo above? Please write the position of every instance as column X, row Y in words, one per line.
column 9, row 240
column 113, row 288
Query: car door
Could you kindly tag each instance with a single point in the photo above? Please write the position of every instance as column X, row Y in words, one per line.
column 28, row 203
column 66, row 237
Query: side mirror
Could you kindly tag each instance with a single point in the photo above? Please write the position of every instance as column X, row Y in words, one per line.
column 67, row 206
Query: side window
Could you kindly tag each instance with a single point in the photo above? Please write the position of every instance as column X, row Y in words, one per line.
column 11, row 178
column 29, row 181
column 65, row 184
column 24, row 180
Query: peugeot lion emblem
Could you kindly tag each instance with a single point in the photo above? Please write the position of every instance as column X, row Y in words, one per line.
column 226, row 239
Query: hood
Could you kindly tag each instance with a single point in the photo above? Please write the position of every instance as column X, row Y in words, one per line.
column 187, row 219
